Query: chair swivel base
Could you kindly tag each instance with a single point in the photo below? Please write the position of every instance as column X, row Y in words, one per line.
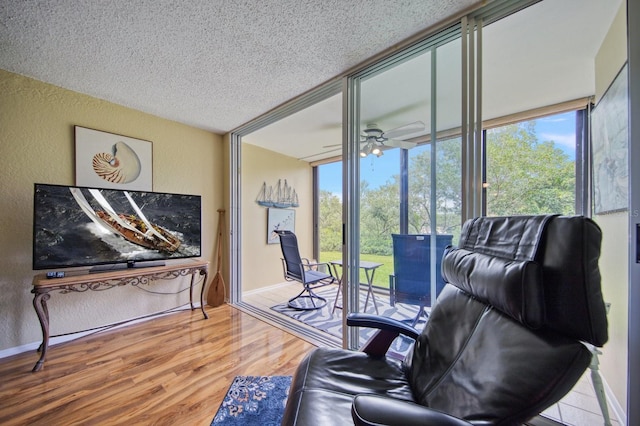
column 422, row 312
column 307, row 303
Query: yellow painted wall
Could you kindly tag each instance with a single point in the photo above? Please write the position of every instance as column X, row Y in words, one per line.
column 615, row 231
column 37, row 145
column 261, row 264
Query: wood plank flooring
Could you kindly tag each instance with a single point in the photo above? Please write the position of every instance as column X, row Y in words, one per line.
column 166, row 371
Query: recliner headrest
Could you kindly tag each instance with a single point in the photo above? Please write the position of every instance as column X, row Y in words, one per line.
column 540, row 270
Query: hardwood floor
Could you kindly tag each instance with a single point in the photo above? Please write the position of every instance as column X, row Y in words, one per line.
column 169, row 370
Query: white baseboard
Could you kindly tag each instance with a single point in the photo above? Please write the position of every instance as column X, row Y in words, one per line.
column 35, row 345
column 73, row 336
column 268, row 288
column 618, row 412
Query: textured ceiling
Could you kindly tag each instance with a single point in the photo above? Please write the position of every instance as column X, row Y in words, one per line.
column 210, row 64
column 523, row 68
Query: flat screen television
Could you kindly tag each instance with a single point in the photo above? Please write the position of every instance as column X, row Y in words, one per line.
column 110, row 229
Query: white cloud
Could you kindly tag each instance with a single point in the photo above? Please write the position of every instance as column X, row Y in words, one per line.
column 567, row 140
column 555, row 119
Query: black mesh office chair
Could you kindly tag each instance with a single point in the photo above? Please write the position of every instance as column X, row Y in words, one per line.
column 504, row 340
column 301, row 270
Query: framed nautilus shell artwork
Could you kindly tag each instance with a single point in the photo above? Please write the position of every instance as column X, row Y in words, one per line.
column 108, row 160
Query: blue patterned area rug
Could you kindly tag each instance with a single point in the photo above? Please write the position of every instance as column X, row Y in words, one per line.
column 323, row 319
column 254, row 400
column 260, row 401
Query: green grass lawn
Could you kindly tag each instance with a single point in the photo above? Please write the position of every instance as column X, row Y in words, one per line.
column 381, row 277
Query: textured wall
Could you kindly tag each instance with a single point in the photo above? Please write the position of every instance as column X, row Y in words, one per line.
column 615, row 232
column 37, row 145
column 261, row 265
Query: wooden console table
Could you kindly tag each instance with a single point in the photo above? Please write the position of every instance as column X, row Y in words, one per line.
column 79, row 282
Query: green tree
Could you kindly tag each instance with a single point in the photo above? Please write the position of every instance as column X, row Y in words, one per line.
column 330, row 221
column 448, row 189
column 379, row 216
column 525, row 175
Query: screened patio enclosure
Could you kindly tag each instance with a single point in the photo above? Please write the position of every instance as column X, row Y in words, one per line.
column 510, row 129
column 468, row 87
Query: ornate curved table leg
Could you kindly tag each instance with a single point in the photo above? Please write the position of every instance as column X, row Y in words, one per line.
column 193, row 278
column 204, row 284
column 40, row 305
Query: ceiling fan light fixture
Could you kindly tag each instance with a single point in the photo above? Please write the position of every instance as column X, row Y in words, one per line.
column 368, row 149
column 376, row 151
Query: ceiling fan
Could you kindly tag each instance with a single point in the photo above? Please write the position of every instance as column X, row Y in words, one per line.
column 374, row 140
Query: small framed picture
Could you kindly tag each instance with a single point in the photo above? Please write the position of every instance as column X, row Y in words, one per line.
column 279, row 220
column 108, row 160
column 610, row 136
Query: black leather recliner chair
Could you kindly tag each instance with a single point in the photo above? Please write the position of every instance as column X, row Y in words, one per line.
column 503, row 341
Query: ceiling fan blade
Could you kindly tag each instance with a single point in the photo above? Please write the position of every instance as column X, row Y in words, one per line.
column 393, row 135
column 407, row 129
column 339, row 144
column 320, row 154
column 400, row 144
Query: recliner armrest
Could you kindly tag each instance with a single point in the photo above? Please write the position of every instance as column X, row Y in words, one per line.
column 375, row 410
column 382, row 323
column 388, row 330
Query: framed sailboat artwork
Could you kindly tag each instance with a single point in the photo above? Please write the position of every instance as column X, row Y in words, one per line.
column 282, row 196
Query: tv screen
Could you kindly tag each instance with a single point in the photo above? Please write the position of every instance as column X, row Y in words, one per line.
column 79, row 226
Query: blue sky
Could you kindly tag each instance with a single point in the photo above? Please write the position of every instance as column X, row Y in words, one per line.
column 559, row 128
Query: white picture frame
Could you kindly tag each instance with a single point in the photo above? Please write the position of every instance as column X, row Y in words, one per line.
column 279, row 220
column 109, row 160
column 610, row 138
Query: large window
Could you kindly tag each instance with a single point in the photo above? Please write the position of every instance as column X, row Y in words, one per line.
column 402, row 202
column 330, row 211
column 448, row 199
column 531, row 167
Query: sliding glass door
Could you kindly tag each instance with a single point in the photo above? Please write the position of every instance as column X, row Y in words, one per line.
column 411, row 159
column 406, row 180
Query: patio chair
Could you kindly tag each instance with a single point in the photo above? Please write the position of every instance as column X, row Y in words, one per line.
column 410, row 282
column 306, row 273
column 504, row 341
